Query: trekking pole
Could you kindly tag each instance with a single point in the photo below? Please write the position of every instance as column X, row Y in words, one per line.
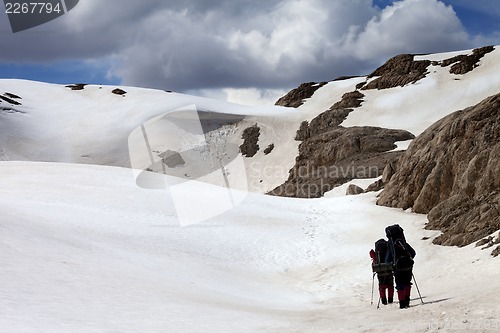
column 378, row 304
column 416, row 285
column 373, row 282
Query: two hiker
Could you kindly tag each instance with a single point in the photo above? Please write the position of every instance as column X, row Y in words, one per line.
column 394, row 256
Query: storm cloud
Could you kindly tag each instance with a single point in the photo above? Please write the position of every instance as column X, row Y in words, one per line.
column 217, row 44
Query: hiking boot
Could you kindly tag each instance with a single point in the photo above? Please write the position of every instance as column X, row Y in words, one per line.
column 384, row 301
column 390, row 300
column 402, row 299
column 407, row 302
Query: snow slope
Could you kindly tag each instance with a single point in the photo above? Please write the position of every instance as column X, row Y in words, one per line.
column 94, row 126
column 89, row 248
column 415, row 107
column 83, row 249
column 55, row 123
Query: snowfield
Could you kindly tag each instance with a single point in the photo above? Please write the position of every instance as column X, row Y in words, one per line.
column 92, row 242
column 84, row 249
column 95, row 126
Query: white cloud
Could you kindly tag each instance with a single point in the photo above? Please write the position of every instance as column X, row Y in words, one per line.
column 282, row 44
column 253, row 96
column 243, row 96
column 245, row 44
column 271, row 46
column 491, row 39
column 410, row 26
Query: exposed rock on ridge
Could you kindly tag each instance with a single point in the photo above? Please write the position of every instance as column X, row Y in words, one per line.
column 250, row 137
column 332, row 117
column 331, row 155
column 9, row 100
column 398, row 71
column 295, row 97
column 353, row 190
column 119, row 91
column 452, row 172
column 77, row 86
column 466, row 63
column 11, row 95
column 334, row 157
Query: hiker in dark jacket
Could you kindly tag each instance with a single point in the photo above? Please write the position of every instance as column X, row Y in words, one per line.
column 385, row 277
column 403, row 266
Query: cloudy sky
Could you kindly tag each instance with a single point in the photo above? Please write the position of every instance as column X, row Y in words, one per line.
column 241, row 50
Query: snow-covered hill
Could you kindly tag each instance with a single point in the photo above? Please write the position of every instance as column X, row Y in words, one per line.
column 91, row 241
column 83, row 249
column 94, row 126
column 90, row 125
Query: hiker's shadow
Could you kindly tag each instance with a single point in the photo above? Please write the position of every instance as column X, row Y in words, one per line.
column 415, row 300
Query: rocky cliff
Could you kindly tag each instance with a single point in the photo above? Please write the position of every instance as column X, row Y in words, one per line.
column 331, row 155
column 452, row 173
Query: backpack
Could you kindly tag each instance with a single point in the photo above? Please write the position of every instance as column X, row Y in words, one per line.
column 401, row 257
column 379, row 265
column 395, row 232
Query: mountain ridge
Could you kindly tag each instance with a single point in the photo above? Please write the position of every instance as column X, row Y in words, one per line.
column 339, row 132
column 423, row 174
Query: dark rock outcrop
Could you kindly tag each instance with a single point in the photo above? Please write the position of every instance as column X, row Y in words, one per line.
column 398, row 71
column 76, row 86
column 322, row 123
column 389, row 171
column 119, row 91
column 351, row 99
column 11, row 95
column 332, row 157
column 452, row 172
column 269, row 149
column 463, row 64
column 353, row 190
column 295, row 97
column 250, row 137
column 303, row 131
column 332, row 117
column 9, row 100
column 376, row 186
column 488, row 242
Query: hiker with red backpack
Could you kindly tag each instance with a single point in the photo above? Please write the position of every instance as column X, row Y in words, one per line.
column 383, row 271
column 401, row 254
